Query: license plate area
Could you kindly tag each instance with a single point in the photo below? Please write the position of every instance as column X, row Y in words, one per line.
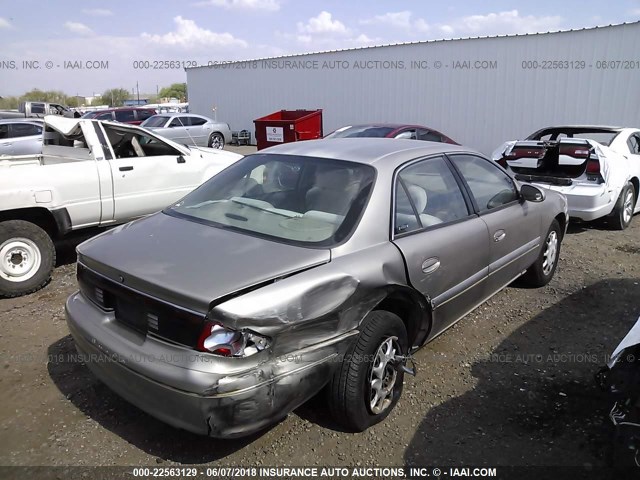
column 131, row 314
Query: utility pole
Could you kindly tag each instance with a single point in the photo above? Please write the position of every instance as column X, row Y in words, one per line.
column 138, row 90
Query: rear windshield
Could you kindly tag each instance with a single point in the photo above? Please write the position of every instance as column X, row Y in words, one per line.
column 155, row 121
column 298, row 200
column 361, row 131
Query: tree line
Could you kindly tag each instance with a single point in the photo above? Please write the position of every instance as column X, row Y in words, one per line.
column 114, row 97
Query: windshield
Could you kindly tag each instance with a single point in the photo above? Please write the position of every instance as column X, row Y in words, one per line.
column 300, row 200
column 155, row 121
column 361, row 131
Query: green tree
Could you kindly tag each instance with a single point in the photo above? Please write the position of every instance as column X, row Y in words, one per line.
column 176, row 90
column 114, row 97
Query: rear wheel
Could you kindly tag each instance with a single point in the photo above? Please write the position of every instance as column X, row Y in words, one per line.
column 27, row 258
column 541, row 272
column 216, row 141
column 367, row 385
column 623, row 211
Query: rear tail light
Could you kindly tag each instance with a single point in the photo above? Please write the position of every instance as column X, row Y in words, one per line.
column 575, row 152
column 593, row 167
column 219, row 340
column 525, row 152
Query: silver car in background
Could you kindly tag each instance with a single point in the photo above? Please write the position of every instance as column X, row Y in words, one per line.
column 306, row 265
column 21, row 136
column 190, row 129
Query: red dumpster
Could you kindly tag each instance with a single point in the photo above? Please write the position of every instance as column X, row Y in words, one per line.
column 288, row 126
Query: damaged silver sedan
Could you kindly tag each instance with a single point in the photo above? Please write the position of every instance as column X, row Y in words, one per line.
column 304, row 266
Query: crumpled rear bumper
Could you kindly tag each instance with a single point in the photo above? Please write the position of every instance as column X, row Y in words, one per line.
column 220, row 397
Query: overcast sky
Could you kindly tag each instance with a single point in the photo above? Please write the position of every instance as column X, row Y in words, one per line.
column 201, row 31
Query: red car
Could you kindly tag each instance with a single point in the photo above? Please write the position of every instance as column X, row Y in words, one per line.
column 130, row 115
column 390, row 130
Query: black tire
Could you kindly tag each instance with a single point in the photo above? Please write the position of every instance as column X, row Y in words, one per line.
column 18, row 238
column 623, row 211
column 350, row 388
column 216, row 140
column 538, row 274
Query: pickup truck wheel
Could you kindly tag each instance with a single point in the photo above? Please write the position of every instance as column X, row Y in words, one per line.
column 367, row 385
column 541, row 272
column 216, row 141
column 623, row 211
column 27, row 258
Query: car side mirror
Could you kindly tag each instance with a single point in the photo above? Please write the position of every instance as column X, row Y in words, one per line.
column 180, row 159
column 531, row 193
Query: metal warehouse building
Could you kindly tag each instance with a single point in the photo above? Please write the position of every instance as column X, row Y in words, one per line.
column 478, row 91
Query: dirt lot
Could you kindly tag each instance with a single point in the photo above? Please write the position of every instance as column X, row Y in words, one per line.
column 511, row 384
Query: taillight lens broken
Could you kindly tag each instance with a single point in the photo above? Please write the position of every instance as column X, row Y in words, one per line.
column 220, row 340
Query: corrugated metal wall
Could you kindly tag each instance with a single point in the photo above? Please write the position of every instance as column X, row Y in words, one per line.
column 479, row 105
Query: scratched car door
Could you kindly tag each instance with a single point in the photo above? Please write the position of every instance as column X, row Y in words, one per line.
column 444, row 244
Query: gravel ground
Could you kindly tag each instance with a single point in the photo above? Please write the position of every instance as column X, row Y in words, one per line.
column 511, row 384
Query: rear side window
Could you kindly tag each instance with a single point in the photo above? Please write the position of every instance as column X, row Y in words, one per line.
column 427, row 194
column 198, row 121
column 125, row 116
column 429, row 136
column 490, row 186
column 25, row 130
column 634, row 144
column 37, row 108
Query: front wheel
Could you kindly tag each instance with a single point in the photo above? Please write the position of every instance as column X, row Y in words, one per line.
column 623, row 211
column 368, row 384
column 216, row 140
column 27, row 258
column 541, row 272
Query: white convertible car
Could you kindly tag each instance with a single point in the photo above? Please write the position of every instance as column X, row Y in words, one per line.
column 597, row 168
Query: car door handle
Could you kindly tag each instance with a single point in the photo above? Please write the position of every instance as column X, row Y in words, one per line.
column 126, row 169
column 430, row 265
column 499, row 236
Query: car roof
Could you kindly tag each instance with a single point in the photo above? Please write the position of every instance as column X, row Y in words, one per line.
column 371, row 151
column 21, row 120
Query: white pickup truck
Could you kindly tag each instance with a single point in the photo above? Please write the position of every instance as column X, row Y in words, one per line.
column 90, row 173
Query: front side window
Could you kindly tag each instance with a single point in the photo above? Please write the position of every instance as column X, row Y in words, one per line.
column 427, row 194
column 490, row 186
column 104, row 116
column 175, row 122
column 144, row 114
column 299, row 200
column 4, row 131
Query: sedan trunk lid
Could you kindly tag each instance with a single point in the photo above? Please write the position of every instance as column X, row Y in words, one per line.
column 189, row 264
